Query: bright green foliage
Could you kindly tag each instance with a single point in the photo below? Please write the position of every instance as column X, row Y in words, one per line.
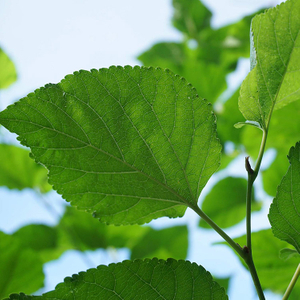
column 284, row 213
column 274, row 273
column 212, row 56
column 191, row 17
column 8, row 74
column 20, row 268
column 18, row 171
column 148, row 279
column 274, row 79
column 126, row 144
column 225, row 203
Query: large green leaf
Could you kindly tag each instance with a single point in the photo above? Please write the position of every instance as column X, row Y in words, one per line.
column 126, row 144
column 148, row 279
column 18, row 171
column 226, row 202
column 8, row 74
column 20, row 267
column 274, row 273
column 274, row 79
column 190, row 17
column 284, row 212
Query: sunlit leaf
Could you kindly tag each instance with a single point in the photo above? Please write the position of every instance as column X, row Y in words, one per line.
column 226, row 202
column 20, row 268
column 126, row 144
column 18, row 171
column 275, row 77
column 284, row 213
column 148, row 279
column 8, row 74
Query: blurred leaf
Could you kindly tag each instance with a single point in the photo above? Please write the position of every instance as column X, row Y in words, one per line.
column 164, row 243
column 275, row 78
column 228, row 115
column 208, row 79
column 18, row 171
column 284, row 211
column 80, row 231
column 274, row 273
column 287, row 253
column 226, row 202
column 8, row 74
column 126, row 144
column 190, row 17
column 148, row 279
column 20, row 268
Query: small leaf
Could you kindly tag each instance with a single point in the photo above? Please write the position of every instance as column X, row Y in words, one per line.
column 18, row 171
column 251, row 123
column 226, row 204
column 8, row 74
column 148, row 279
column 284, row 212
column 287, row 253
column 274, row 79
column 126, row 144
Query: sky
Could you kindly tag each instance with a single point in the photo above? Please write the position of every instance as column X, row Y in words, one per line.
column 50, row 39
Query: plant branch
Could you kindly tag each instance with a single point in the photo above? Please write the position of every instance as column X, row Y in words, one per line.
column 292, row 284
column 252, row 174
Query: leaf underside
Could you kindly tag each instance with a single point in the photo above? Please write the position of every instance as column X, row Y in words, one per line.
column 284, row 212
column 147, row 279
column 126, row 144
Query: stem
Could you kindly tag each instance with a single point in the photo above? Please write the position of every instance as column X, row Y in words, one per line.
column 292, row 284
column 252, row 174
column 226, row 237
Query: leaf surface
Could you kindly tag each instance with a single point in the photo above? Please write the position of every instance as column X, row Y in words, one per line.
column 274, row 80
column 284, row 212
column 126, row 144
column 8, row 74
column 18, row 171
column 148, row 279
column 20, row 268
column 226, row 204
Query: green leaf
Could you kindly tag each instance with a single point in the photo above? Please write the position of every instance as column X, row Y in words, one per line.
column 274, row 273
column 18, row 171
column 226, row 204
column 8, row 74
column 126, row 144
column 274, row 80
column 207, row 78
column 164, row 243
column 148, row 279
column 284, row 213
column 20, row 267
column 190, row 17
column 80, row 231
column 287, row 253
